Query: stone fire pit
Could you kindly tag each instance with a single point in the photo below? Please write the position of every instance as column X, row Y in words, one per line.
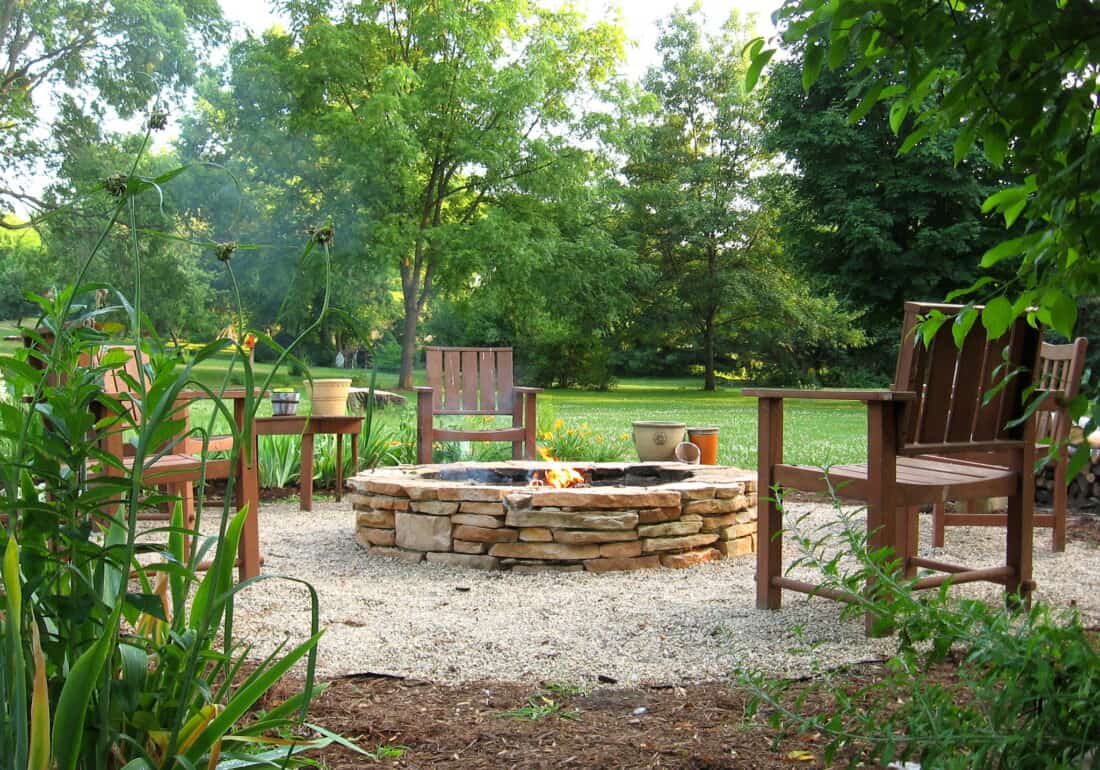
column 488, row 516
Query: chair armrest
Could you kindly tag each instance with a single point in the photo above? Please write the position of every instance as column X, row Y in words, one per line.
column 836, row 395
column 422, row 388
column 521, row 389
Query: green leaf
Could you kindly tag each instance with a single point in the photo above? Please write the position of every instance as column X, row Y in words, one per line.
column 1062, row 309
column 76, row 693
column 1004, row 198
column 982, row 281
column 996, row 143
column 997, row 317
column 964, row 142
column 931, row 325
column 1004, row 250
column 964, row 321
column 898, row 111
column 811, row 65
column 869, row 100
column 759, row 61
column 244, row 698
column 1014, row 211
column 914, row 138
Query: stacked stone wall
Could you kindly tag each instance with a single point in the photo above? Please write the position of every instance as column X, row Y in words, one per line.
column 598, row 529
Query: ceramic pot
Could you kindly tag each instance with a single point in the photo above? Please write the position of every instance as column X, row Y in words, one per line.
column 658, row 440
column 330, row 397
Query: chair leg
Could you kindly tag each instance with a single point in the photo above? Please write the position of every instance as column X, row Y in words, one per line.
column 1019, row 536
column 1061, row 495
column 911, row 544
column 939, row 516
column 769, row 519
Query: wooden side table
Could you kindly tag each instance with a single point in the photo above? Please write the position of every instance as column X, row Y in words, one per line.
column 307, row 427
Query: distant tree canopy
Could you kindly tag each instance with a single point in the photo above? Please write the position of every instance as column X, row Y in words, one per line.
column 63, row 61
column 876, row 226
column 1014, row 78
column 416, row 119
column 492, row 178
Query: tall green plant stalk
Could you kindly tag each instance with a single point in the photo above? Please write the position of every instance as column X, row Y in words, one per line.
column 111, row 661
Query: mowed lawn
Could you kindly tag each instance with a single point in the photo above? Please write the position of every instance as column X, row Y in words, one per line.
column 815, row 432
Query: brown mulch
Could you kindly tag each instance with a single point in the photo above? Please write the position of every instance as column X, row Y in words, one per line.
column 698, row 726
column 701, row 726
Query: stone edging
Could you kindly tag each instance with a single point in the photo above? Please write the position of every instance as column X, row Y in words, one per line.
column 409, row 513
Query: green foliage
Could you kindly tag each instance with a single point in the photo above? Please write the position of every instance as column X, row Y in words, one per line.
column 542, row 706
column 280, row 459
column 90, row 59
column 559, row 441
column 1012, row 78
column 410, row 122
column 1023, row 684
column 130, row 662
column 874, row 226
column 720, row 289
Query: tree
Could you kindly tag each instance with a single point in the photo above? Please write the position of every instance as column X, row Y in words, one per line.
column 66, row 59
column 876, row 227
column 695, row 195
column 424, row 114
column 1019, row 78
column 177, row 295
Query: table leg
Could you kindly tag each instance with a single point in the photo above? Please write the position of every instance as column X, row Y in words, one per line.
column 339, row 464
column 305, row 478
column 248, row 494
column 354, row 453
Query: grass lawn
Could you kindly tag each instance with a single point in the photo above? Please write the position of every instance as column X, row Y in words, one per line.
column 816, row 432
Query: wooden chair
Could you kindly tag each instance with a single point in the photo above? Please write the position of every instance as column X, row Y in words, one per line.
column 473, row 381
column 177, row 467
column 1060, row 369
column 919, row 434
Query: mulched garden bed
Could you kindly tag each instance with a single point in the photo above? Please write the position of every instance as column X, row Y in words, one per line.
column 699, row 726
column 489, row 724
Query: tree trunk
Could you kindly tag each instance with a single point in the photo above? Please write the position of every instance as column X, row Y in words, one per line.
column 408, row 341
column 708, row 355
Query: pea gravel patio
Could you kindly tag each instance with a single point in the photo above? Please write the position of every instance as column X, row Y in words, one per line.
column 444, row 624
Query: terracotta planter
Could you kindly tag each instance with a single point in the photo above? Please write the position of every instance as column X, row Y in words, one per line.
column 330, row 397
column 706, row 439
column 658, row 440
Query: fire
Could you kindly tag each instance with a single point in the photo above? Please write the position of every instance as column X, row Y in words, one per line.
column 558, row 476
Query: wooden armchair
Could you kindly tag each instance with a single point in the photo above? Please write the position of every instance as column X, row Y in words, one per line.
column 473, row 381
column 177, row 468
column 920, row 436
column 1060, row 369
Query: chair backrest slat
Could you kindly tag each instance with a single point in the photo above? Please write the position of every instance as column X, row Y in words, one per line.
column 470, row 379
column 1062, row 369
column 952, row 384
column 433, row 361
column 487, row 376
column 452, row 376
column 967, row 400
column 504, row 380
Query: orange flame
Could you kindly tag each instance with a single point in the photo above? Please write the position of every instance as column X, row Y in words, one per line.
column 558, row 476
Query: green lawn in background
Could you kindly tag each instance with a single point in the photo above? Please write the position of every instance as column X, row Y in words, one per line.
column 816, row 432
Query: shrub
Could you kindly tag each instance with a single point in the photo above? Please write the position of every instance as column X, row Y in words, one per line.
column 1024, row 689
column 561, row 441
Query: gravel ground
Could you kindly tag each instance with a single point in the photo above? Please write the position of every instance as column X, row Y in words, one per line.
column 651, row 626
